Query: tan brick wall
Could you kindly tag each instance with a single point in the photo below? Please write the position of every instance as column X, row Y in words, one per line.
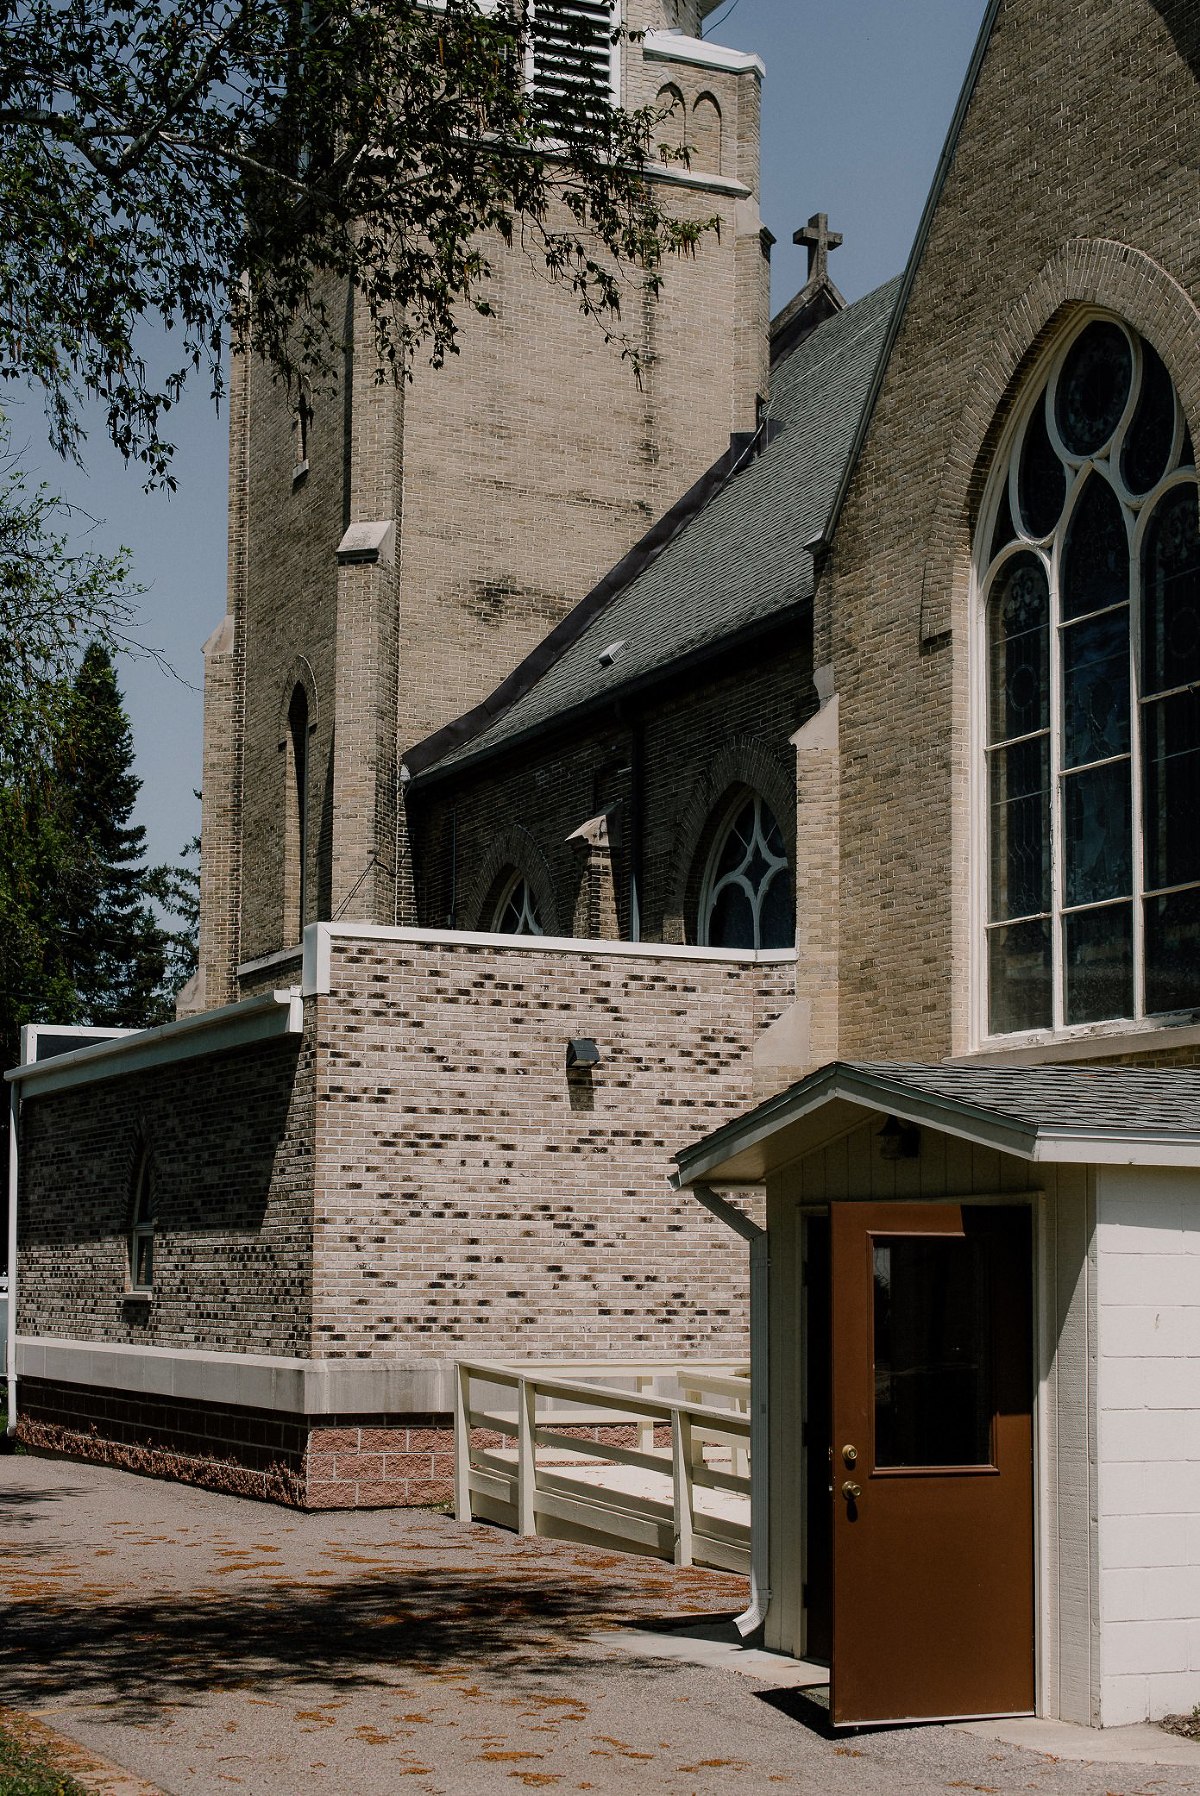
column 515, row 476
column 1076, row 180
column 473, row 1198
column 230, row 1140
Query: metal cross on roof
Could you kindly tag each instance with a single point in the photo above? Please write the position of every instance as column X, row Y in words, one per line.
column 819, row 240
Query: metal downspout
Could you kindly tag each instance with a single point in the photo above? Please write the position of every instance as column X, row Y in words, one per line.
column 751, row 1621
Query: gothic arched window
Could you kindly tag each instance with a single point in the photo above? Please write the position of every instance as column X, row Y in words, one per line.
column 1089, row 573
column 517, row 911
column 141, row 1227
column 296, row 848
column 747, row 900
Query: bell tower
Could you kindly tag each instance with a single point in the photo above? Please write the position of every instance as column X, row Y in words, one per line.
column 394, row 554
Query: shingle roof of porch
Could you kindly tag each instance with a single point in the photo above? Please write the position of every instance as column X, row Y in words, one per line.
column 1123, row 1115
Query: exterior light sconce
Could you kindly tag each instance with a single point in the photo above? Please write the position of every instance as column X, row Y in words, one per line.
column 582, row 1053
column 898, row 1140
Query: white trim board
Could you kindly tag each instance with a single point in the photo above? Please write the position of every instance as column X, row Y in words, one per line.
column 320, row 937
column 188, row 1038
column 675, row 46
column 245, row 1380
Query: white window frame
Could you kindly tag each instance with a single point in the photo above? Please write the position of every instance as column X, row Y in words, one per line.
column 1041, row 380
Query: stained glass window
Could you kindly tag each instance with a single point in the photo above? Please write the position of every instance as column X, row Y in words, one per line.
column 748, row 899
column 1092, row 605
column 518, row 913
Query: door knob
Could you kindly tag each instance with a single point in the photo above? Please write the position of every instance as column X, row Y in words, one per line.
column 851, row 1492
column 850, row 1455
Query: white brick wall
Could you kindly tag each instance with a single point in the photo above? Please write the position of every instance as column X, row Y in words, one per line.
column 1148, row 1337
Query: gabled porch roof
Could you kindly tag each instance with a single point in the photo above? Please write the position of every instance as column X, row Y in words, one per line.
column 1117, row 1116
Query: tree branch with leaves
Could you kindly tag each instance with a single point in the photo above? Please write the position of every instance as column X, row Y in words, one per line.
column 211, row 163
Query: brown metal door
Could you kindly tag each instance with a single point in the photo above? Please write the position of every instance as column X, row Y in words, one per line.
column 932, row 1462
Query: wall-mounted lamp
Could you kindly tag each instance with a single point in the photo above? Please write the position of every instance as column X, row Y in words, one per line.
column 582, row 1053
column 899, row 1140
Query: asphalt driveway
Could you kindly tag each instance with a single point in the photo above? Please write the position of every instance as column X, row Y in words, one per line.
column 210, row 1644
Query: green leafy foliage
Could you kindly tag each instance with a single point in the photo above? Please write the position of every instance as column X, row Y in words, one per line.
column 25, row 1770
column 224, row 164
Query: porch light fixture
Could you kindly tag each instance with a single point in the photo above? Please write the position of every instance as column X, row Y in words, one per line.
column 582, row 1053
column 898, row 1140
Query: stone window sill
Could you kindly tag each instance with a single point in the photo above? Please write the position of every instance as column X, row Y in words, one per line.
column 137, row 1297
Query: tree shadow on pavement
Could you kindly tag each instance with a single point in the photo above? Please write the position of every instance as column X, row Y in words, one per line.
column 144, row 1655
column 21, row 1506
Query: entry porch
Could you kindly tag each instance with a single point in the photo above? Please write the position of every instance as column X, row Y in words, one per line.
column 976, row 1352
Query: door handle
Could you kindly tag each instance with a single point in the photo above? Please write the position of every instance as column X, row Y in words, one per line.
column 851, row 1492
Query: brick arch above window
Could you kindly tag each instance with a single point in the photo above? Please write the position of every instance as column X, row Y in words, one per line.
column 300, row 674
column 1085, row 272
column 514, row 852
column 672, row 130
column 705, row 135
column 748, row 764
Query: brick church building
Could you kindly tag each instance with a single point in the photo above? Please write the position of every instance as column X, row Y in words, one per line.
column 787, row 771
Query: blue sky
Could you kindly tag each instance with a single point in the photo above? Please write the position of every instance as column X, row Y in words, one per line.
column 856, row 104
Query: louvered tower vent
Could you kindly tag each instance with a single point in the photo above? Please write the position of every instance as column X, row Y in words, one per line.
column 573, row 60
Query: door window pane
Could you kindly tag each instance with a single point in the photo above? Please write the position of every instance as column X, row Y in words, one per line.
column 933, row 1386
column 1098, row 949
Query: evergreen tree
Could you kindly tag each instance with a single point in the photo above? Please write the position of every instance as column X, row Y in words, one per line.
column 113, row 945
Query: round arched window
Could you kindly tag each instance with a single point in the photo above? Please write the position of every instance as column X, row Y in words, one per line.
column 517, row 912
column 1089, row 571
column 748, row 901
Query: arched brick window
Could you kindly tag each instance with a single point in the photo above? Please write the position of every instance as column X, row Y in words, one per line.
column 141, row 1226
column 672, row 128
column 747, row 900
column 704, row 136
column 517, row 911
column 1088, row 695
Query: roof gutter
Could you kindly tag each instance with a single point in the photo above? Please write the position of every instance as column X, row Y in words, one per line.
column 719, row 649
column 945, row 161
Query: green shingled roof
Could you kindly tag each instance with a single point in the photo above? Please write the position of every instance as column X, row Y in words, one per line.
column 742, row 559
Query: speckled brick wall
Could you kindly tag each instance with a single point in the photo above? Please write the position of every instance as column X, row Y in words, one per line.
column 473, row 1198
column 1076, row 181
column 230, row 1141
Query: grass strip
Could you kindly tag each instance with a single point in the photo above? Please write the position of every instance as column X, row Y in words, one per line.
column 27, row 1770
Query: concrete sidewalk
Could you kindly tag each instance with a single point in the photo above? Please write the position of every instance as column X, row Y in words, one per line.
column 210, row 1644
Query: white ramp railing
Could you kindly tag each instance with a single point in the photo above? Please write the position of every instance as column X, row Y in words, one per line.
column 534, row 1451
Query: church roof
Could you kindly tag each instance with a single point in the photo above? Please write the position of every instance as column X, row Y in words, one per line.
column 736, row 563
column 1117, row 1114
